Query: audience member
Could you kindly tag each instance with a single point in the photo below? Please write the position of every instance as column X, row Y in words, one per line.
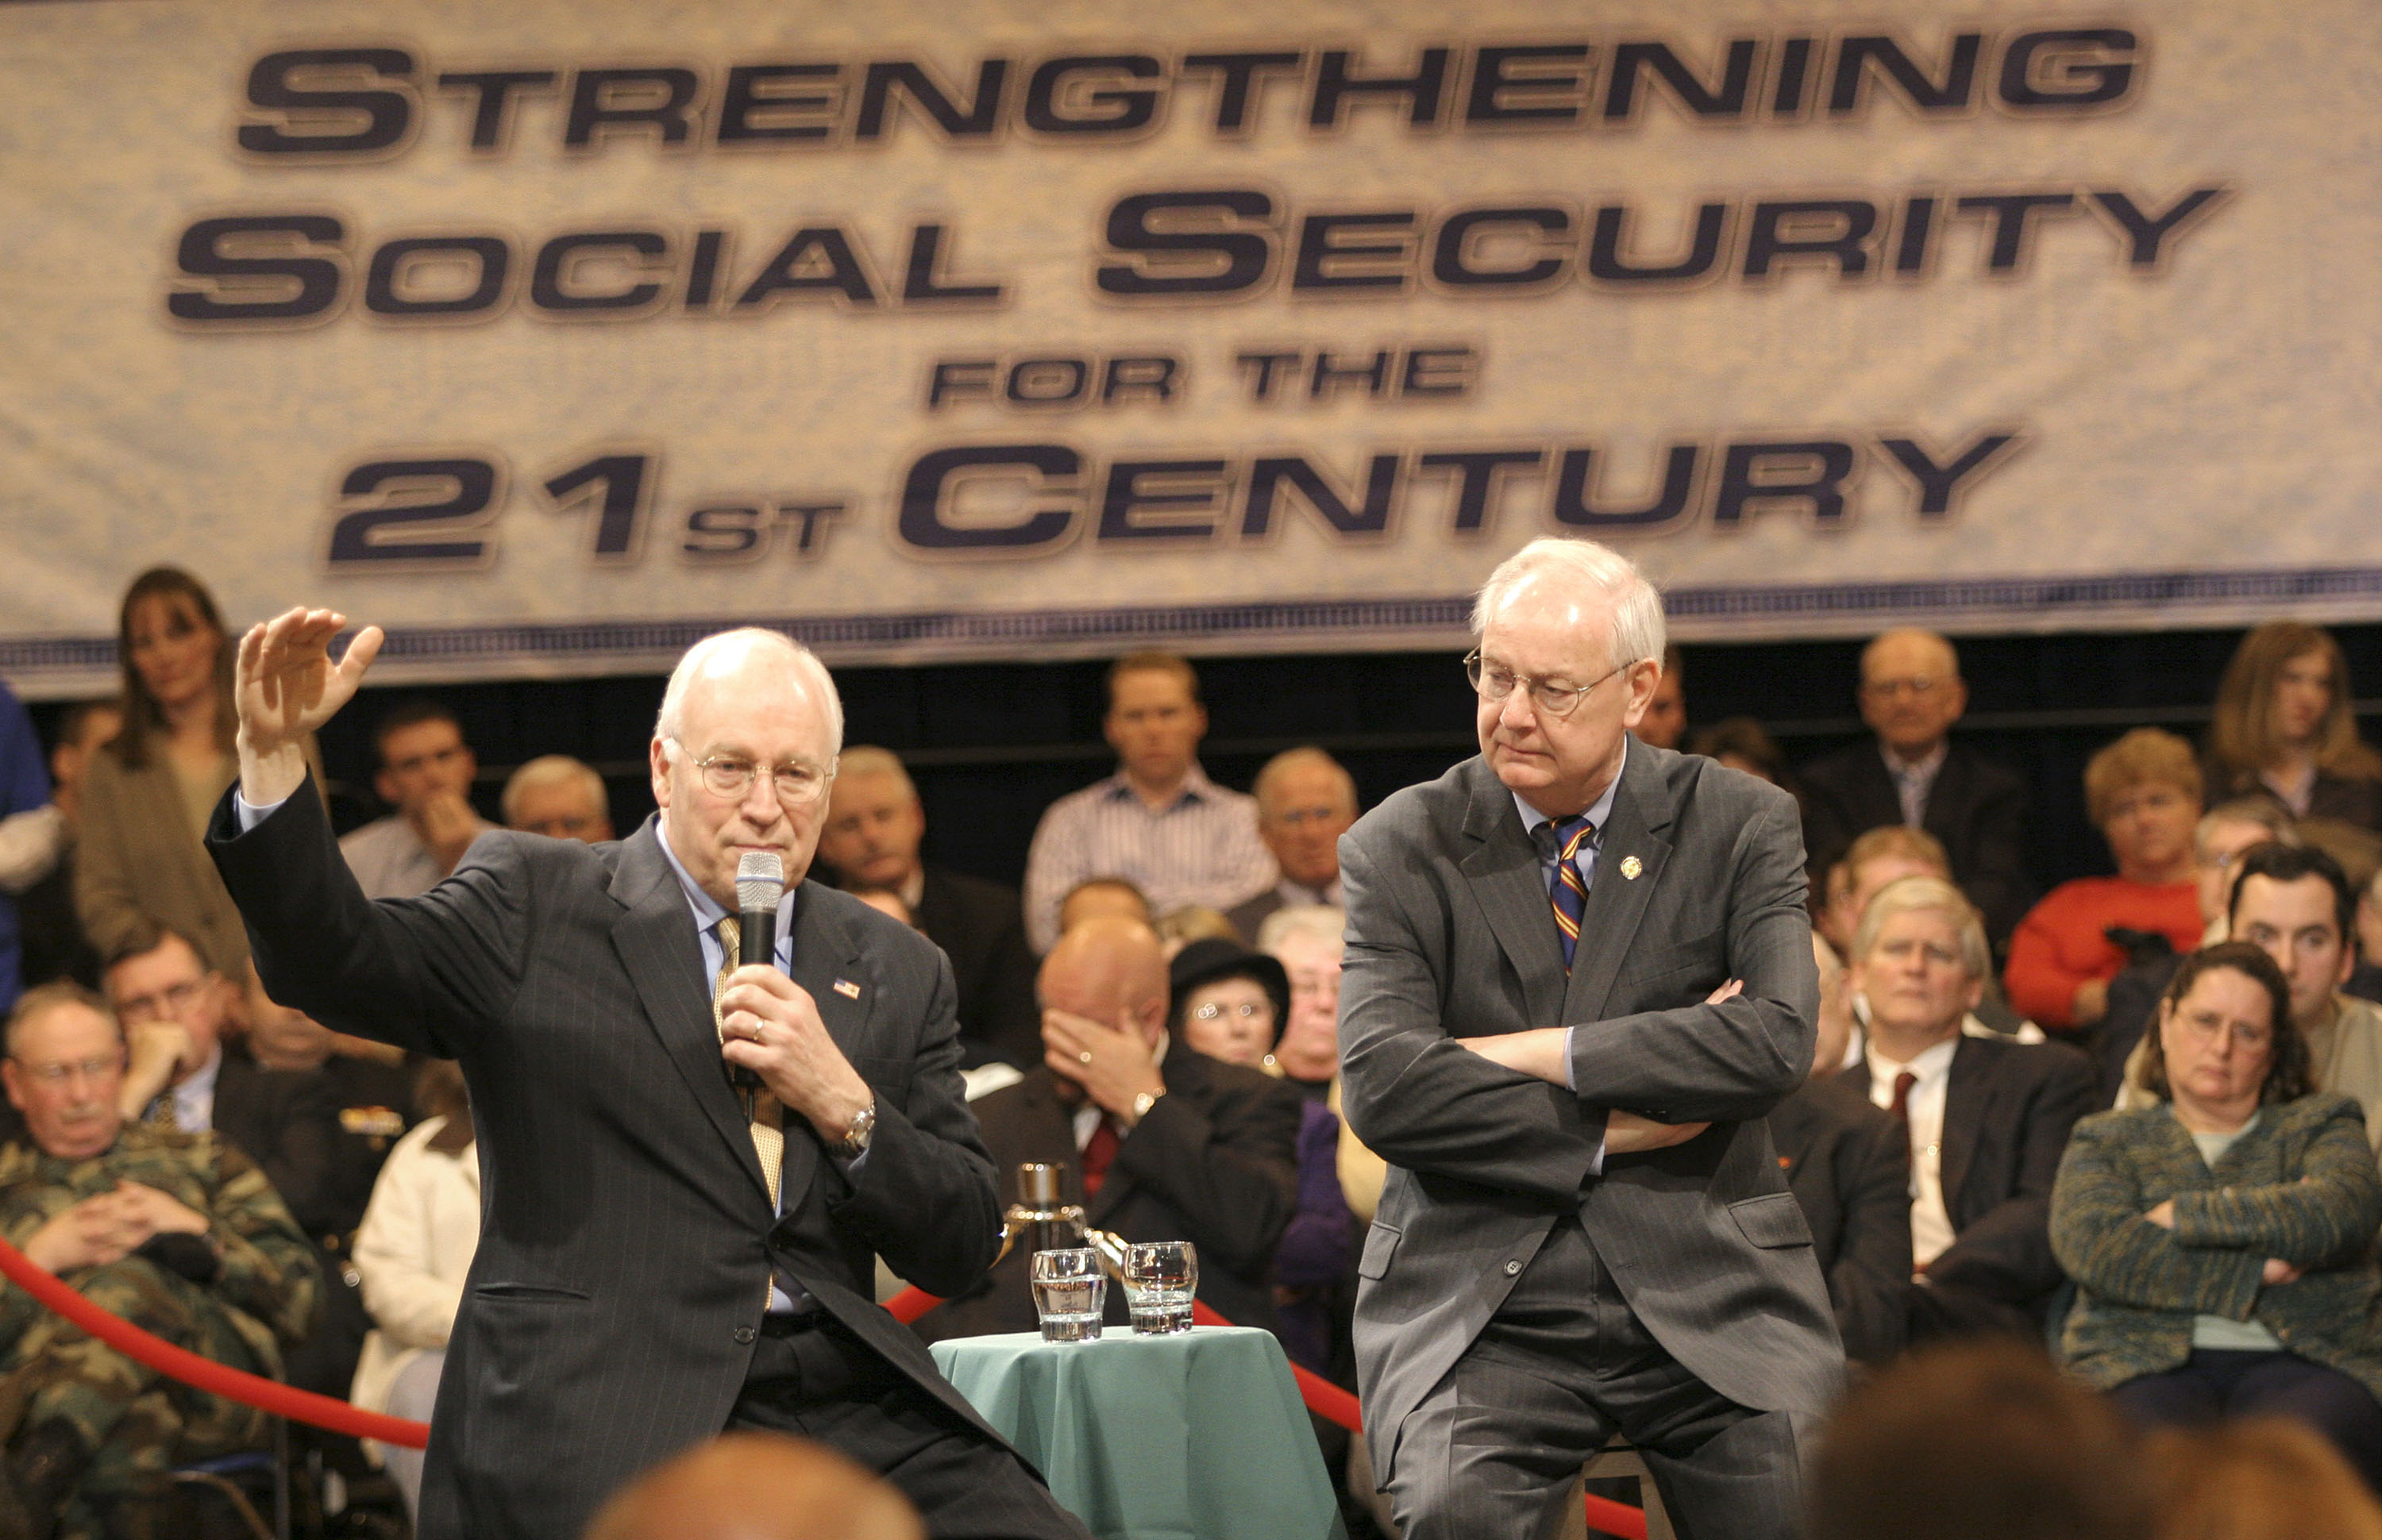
column 412, row 1254
column 1987, row 1118
column 1742, row 743
column 1161, row 1143
column 177, row 1232
column 1666, row 721
column 2366, row 980
column 1875, row 861
column 2283, row 725
column 1912, row 772
column 2257, row 1478
column 2292, row 903
column 425, row 773
column 1159, row 822
column 55, row 947
column 2226, row 833
column 1979, row 1441
column 1305, row 801
column 2222, row 1241
column 1096, row 897
column 758, row 1487
column 1177, row 928
column 1230, row 1004
column 1848, row 1162
column 139, row 867
column 31, row 831
column 2143, row 792
column 875, row 826
column 558, row 797
column 1307, row 942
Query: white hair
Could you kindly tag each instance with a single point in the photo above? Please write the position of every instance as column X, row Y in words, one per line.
column 1637, row 629
column 1294, row 759
column 866, row 759
column 672, row 716
column 551, row 770
column 1323, row 922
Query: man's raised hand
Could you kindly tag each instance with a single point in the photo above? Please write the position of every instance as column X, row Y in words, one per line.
column 288, row 687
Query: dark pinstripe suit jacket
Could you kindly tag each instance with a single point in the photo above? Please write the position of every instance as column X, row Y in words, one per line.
column 628, row 1242
column 1451, row 935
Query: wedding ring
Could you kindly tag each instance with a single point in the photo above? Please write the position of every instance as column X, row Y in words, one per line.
column 1084, row 1056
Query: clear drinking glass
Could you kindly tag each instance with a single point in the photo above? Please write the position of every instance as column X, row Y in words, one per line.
column 1069, row 1293
column 1159, row 1278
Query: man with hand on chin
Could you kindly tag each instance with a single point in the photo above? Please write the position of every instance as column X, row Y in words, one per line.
column 1161, row 1143
column 1578, row 974
column 665, row 1255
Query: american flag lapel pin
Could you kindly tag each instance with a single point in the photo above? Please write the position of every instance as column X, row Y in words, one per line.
column 846, row 988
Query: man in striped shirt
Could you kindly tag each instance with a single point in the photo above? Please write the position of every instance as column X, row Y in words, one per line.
column 1159, row 822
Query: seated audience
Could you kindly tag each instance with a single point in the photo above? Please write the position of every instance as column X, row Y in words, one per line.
column 2257, row 1478
column 758, row 1487
column 1875, row 861
column 1742, row 743
column 2222, row 1240
column 412, row 1253
column 1848, row 1162
column 1987, row 1117
column 1305, row 801
column 2143, row 792
column 1159, row 822
column 139, row 865
column 2284, row 726
column 31, row 831
column 1979, row 1441
column 1096, row 897
column 1912, row 772
column 425, row 773
column 1161, row 1141
column 1307, row 942
column 2223, row 835
column 1666, row 721
column 2292, row 903
column 875, row 827
column 558, row 797
column 1230, row 1004
column 55, row 947
column 177, row 1232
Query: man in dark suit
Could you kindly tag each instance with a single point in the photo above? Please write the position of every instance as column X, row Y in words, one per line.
column 1848, row 1165
column 1564, row 1050
column 1988, row 1119
column 1910, row 694
column 1160, row 1143
column 664, row 1256
column 875, row 823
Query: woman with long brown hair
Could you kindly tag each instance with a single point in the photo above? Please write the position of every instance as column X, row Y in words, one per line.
column 2284, row 726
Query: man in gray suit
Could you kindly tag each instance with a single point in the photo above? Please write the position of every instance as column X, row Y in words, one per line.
column 1564, row 1043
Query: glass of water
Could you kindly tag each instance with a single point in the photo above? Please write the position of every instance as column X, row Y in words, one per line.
column 1069, row 1293
column 1159, row 1278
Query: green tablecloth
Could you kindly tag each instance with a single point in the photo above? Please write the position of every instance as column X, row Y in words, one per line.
column 1195, row 1436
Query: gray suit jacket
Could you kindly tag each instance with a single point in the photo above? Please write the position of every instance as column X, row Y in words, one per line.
column 1451, row 935
column 628, row 1242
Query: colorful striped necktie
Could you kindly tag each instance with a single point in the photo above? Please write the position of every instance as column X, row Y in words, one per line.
column 1570, row 895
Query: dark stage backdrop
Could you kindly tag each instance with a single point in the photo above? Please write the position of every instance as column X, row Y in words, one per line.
column 991, row 745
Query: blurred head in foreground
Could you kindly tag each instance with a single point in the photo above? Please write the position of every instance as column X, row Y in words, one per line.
column 758, row 1487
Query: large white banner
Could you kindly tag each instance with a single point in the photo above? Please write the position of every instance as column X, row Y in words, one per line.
column 550, row 333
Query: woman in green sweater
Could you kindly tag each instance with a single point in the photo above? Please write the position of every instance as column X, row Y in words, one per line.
column 2222, row 1241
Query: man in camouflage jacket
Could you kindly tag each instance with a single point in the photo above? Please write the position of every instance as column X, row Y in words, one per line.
column 177, row 1232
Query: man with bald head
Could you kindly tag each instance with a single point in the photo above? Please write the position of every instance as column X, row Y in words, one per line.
column 1912, row 772
column 688, row 1160
column 1307, row 799
column 758, row 1487
column 1160, row 1143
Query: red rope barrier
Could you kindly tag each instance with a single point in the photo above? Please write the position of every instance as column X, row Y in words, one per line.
column 179, row 1363
column 1332, row 1404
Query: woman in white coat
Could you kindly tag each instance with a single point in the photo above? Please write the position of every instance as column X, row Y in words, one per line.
column 413, row 1250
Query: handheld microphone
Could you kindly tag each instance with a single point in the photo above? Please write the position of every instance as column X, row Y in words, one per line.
column 760, row 884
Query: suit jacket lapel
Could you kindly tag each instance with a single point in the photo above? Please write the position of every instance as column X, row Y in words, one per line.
column 1966, row 1091
column 1512, row 890
column 1616, row 903
column 657, row 942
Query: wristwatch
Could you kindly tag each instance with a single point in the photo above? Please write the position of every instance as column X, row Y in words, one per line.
column 1143, row 1103
column 856, row 1137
